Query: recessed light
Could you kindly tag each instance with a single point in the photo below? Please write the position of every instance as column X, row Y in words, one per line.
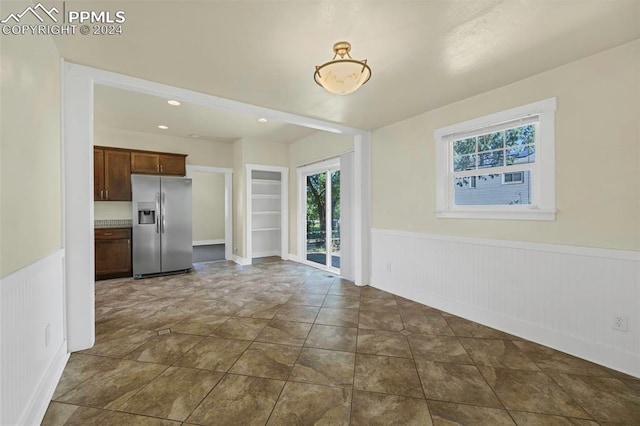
column 163, row 127
column 174, row 103
column 262, row 120
column 194, row 136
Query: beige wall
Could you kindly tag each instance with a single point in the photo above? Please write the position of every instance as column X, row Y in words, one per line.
column 208, row 206
column 265, row 153
column 104, row 210
column 30, row 212
column 311, row 149
column 239, row 200
column 200, row 153
column 597, row 157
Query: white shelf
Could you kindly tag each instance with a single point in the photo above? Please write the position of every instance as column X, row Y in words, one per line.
column 266, row 182
column 266, row 214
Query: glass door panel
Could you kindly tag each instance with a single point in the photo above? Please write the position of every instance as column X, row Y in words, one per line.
column 323, row 218
column 317, row 218
column 335, row 219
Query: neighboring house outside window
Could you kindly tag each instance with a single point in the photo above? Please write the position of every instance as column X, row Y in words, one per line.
column 500, row 166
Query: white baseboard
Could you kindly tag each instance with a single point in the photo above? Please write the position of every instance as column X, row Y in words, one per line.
column 294, row 258
column 564, row 297
column 38, row 405
column 208, row 242
column 241, row 260
column 267, row 253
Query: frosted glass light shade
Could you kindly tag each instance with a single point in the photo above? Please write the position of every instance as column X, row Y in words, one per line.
column 344, row 75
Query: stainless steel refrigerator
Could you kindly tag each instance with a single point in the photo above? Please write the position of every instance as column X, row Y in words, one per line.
column 162, row 240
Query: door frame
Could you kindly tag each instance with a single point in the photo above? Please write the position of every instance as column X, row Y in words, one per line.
column 228, row 203
column 302, row 173
column 76, row 98
column 284, row 207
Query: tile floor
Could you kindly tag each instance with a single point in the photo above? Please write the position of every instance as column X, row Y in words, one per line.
column 279, row 343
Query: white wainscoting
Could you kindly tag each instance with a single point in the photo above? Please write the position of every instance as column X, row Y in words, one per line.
column 564, row 297
column 34, row 347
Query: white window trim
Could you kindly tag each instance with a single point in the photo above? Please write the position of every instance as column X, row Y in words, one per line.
column 543, row 187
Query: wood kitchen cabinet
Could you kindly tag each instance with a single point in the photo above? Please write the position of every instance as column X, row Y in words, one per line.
column 113, row 253
column 112, row 174
column 158, row 163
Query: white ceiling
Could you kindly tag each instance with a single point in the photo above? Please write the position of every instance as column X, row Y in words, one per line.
column 423, row 54
column 122, row 109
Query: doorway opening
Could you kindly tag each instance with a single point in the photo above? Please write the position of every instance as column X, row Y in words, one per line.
column 212, row 219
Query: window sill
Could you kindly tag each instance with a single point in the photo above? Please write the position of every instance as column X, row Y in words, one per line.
column 529, row 214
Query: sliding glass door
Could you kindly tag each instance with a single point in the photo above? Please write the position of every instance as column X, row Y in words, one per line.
column 323, row 218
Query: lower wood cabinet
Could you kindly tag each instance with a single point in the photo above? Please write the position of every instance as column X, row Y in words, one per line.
column 113, row 253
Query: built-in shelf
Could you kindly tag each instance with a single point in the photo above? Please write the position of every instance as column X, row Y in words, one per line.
column 266, row 213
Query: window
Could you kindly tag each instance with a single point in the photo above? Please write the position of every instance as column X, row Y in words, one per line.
column 500, row 166
column 513, row 177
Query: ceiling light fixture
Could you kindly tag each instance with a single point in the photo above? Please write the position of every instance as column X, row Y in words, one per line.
column 344, row 75
column 174, row 103
column 262, row 120
column 163, row 127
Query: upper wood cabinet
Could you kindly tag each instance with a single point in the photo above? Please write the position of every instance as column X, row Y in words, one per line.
column 173, row 164
column 98, row 174
column 157, row 163
column 112, row 174
column 145, row 162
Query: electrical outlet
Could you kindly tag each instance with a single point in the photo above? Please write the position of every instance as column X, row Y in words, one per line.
column 621, row 322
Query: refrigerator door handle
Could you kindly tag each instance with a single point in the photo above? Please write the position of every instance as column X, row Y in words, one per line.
column 163, row 211
column 157, row 211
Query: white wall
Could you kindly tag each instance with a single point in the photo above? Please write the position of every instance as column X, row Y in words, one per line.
column 32, row 323
column 549, row 281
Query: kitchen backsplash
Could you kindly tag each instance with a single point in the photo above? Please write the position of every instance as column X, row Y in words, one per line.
column 112, row 223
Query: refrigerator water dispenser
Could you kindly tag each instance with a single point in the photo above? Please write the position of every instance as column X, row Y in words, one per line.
column 146, row 213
